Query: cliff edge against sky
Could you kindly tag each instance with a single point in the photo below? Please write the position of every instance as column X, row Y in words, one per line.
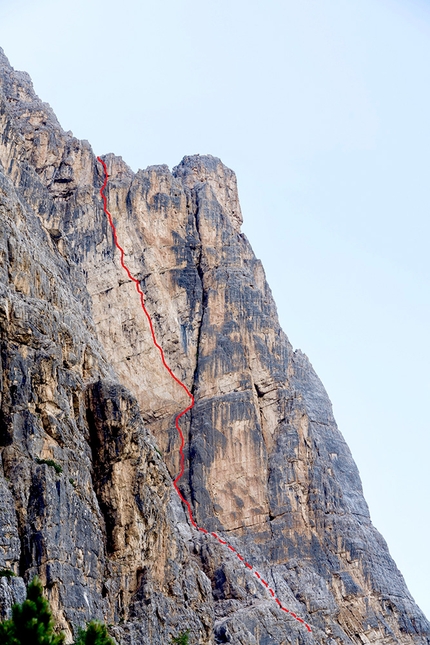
column 81, row 384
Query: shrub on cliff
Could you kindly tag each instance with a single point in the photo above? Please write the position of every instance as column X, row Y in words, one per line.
column 182, row 639
column 31, row 621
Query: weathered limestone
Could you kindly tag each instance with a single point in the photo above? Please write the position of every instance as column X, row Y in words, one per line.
column 82, row 384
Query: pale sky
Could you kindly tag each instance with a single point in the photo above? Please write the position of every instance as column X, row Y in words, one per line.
column 322, row 108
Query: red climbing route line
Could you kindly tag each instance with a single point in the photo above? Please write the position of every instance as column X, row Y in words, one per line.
column 181, row 414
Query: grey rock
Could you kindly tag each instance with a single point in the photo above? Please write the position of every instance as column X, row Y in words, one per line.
column 12, row 591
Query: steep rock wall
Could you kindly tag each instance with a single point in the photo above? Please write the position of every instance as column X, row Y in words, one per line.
column 106, row 534
column 266, row 464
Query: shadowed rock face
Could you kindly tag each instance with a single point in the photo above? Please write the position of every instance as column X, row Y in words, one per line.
column 82, row 384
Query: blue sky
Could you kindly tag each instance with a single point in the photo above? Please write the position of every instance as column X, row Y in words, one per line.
column 322, row 109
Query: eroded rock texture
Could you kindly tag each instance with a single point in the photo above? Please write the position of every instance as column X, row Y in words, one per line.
column 82, row 385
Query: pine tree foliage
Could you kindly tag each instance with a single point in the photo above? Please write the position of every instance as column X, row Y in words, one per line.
column 7, row 633
column 31, row 622
column 95, row 634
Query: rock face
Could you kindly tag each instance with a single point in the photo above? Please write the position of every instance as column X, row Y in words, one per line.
column 82, row 387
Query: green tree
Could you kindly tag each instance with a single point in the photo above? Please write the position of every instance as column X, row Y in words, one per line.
column 7, row 632
column 31, row 622
column 95, row 634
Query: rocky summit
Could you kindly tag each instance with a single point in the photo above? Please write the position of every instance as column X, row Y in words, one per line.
column 88, row 443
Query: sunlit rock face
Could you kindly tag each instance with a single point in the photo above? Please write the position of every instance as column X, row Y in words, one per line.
column 83, row 386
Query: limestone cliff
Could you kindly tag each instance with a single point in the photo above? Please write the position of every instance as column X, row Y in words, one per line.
column 81, row 384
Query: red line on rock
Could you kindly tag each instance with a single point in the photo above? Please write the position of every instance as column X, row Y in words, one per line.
column 184, row 387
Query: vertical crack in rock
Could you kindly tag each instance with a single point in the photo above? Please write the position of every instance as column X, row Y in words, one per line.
column 191, row 488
